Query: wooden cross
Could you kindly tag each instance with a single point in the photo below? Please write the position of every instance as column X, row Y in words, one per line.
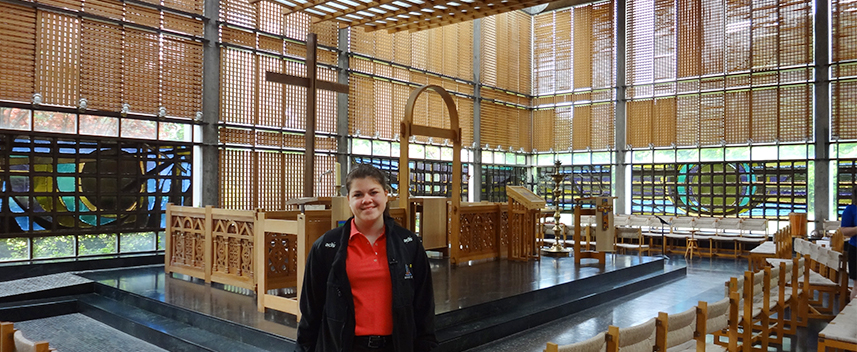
column 312, row 84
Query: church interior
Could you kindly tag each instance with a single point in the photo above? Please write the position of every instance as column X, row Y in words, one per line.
column 586, row 175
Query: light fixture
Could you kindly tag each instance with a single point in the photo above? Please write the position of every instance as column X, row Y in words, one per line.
column 198, row 117
column 162, row 112
column 37, row 99
column 81, row 104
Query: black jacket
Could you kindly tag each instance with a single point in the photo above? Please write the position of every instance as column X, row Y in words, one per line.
column 327, row 306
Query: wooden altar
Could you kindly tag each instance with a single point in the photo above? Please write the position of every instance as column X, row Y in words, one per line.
column 604, row 231
column 524, row 213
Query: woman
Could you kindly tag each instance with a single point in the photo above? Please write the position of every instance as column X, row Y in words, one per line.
column 367, row 284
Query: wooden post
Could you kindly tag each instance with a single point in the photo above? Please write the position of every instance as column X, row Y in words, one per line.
column 453, row 134
column 312, row 84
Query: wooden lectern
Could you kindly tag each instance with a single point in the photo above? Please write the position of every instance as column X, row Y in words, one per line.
column 604, row 230
column 524, row 212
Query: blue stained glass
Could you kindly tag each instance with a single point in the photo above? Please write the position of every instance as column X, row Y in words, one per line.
column 164, row 220
column 151, row 185
column 66, row 184
column 164, row 185
column 185, row 169
column 23, row 222
column 66, row 168
column 42, row 150
column 71, row 204
column 68, row 151
column 151, row 165
column 92, row 220
column 186, row 185
column 15, row 207
column 151, row 203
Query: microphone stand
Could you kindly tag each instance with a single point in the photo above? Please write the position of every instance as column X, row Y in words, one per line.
column 663, row 238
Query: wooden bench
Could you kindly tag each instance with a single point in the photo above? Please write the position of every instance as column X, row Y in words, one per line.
column 12, row 340
column 841, row 332
column 826, row 279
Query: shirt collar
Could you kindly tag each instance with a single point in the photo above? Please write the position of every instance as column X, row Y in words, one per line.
column 354, row 231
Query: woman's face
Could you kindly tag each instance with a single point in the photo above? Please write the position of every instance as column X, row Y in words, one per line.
column 367, row 199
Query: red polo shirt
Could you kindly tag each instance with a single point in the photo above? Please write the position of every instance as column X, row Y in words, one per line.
column 369, row 275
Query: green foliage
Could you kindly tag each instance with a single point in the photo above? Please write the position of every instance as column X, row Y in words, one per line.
column 138, row 242
column 97, row 244
column 53, row 247
column 13, row 249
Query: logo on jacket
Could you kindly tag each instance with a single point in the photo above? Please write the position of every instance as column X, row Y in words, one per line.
column 330, row 244
column 408, row 274
column 409, row 239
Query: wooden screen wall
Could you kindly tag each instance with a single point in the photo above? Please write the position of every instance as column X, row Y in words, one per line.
column 574, row 78
column 844, row 69
column 706, row 72
column 388, row 66
column 107, row 52
column 263, row 123
column 505, row 72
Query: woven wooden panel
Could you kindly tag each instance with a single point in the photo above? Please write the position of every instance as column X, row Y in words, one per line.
column 192, row 6
column 543, row 53
column 583, row 47
column 465, row 119
column 384, row 109
column 844, row 110
column 58, row 61
column 795, row 112
column 582, row 128
column 238, row 184
column 272, row 195
column 764, row 34
column 464, row 31
column 843, row 30
column 294, row 165
column 238, row 12
column 294, row 98
column 713, row 24
column 183, row 24
column 663, row 44
column 664, row 122
column 689, row 49
column 564, row 44
column 237, row 86
column 419, row 50
column 271, row 107
column 737, row 42
column 270, row 17
column 603, row 126
column 489, row 51
column 796, row 32
column 270, row 44
column 181, row 77
column 543, row 128
column 383, row 45
column 17, row 59
column 763, row 110
column 604, row 25
column 73, row 5
column 324, row 175
column 361, row 100
column 297, row 25
column 106, row 8
column 140, row 79
column 711, row 119
column 687, row 120
column 238, row 37
column 436, row 48
column 639, row 46
column 326, row 104
column 736, row 120
column 101, row 65
column 402, row 48
column 143, row 15
column 524, row 60
column 639, row 126
column 489, row 124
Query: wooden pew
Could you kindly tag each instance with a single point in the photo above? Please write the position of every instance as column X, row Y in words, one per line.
column 826, row 274
column 841, row 333
column 12, row 340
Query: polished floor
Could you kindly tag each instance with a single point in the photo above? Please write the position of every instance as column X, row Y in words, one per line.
column 471, row 284
column 704, row 282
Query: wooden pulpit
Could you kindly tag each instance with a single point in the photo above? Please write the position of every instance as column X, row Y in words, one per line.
column 524, row 212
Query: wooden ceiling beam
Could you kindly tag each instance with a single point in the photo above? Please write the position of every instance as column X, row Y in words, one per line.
column 483, row 11
column 383, row 17
column 361, row 7
column 428, row 16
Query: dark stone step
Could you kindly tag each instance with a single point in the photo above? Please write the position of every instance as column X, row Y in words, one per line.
column 517, row 318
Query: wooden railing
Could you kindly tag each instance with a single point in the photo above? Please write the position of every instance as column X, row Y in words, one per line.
column 481, row 232
column 257, row 250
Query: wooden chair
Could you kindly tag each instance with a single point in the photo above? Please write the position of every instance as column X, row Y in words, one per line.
column 826, row 279
column 12, row 340
column 641, row 337
column 681, row 230
column 728, row 231
column 841, row 332
column 597, row 343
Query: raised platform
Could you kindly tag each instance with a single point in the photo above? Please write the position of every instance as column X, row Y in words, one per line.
column 475, row 303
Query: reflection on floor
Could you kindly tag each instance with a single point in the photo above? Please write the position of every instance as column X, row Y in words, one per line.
column 704, row 281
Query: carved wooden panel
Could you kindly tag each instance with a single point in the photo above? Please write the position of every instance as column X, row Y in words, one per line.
column 479, row 236
column 188, row 241
column 282, row 255
column 232, row 251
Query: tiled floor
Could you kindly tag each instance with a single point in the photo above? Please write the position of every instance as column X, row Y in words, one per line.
column 79, row 333
column 704, row 281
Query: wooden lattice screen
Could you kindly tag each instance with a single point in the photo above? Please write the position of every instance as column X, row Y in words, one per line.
column 263, row 128
column 574, row 78
column 722, row 72
column 403, row 61
column 88, row 51
column 843, row 70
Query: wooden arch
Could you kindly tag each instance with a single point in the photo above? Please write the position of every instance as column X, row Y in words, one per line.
column 454, row 135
